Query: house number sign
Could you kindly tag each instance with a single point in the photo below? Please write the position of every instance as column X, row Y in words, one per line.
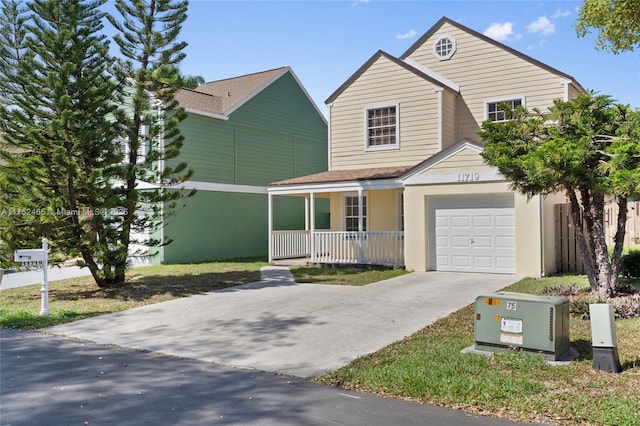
column 468, row 176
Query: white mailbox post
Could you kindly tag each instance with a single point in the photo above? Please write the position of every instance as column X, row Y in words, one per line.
column 36, row 259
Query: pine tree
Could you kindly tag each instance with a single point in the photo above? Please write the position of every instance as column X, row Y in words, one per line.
column 61, row 134
column 12, row 45
column 148, row 39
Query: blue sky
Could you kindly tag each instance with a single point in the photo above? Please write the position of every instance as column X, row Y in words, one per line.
column 325, row 42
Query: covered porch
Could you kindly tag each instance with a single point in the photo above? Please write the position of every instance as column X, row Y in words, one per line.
column 365, row 224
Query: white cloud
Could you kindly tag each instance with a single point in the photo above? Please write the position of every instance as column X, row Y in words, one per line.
column 500, row 32
column 358, row 2
column 542, row 26
column 410, row 34
column 561, row 14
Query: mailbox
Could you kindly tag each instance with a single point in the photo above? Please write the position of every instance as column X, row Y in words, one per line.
column 539, row 324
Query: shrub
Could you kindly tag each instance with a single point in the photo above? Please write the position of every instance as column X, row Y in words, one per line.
column 627, row 307
column 630, row 266
column 562, row 290
column 580, row 307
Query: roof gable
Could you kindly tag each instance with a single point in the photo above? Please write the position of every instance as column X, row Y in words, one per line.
column 460, row 161
column 222, row 97
column 445, row 20
column 411, row 66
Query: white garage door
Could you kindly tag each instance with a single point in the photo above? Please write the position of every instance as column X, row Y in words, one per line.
column 474, row 239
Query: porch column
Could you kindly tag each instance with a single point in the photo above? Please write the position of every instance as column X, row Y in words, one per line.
column 270, row 224
column 306, row 213
column 360, row 227
column 312, row 221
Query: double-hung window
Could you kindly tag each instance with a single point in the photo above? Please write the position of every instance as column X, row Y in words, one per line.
column 382, row 128
column 351, row 209
column 495, row 110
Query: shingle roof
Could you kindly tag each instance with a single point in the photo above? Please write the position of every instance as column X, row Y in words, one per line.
column 233, row 91
column 199, row 101
column 347, row 176
column 223, row 96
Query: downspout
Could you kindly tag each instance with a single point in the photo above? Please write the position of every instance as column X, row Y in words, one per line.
column 543, row 272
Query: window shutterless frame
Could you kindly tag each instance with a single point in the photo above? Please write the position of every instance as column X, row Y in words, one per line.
column 493, row 112
column 381, row 127
column 350, row 211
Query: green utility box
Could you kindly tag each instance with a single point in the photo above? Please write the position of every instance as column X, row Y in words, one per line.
column 506, row 320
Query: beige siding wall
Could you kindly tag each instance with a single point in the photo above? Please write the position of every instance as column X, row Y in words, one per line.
column 488, row 73
column 449, row 134
column 335, row 200
column 384, row 83
column 464, row 161
column 573, row 92
column 382, row 210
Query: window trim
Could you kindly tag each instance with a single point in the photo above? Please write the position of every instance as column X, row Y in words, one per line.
column 454, row 47
column 365, row 216
column 499, row 101
column 369, row 148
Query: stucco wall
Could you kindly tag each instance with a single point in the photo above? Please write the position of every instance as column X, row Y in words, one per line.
column 417, row 248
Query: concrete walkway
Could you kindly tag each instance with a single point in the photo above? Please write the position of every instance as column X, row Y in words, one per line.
column 279, row 326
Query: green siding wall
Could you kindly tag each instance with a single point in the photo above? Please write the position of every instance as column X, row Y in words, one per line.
column 276, row 135
column 209, row 149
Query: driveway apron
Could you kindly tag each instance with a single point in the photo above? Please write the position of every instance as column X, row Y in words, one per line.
column 280, row 326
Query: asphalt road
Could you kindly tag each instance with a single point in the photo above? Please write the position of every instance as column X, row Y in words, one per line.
column 49, row 380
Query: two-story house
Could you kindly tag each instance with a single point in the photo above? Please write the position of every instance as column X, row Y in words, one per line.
column 406, row 182
column 240, row 134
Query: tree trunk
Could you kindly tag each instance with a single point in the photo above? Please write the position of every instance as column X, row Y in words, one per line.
column 578, row 223
column 587, row 213
column 621, row 224
column 606, row 279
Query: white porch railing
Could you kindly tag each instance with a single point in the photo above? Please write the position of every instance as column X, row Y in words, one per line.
column 289, row 244
column 375, row 248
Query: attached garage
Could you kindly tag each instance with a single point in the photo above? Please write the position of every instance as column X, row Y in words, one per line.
column 472, row 233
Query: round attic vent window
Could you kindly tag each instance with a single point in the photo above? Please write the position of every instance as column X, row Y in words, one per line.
column 444, row 48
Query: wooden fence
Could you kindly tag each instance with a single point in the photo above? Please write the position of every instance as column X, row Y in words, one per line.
column 568, row 258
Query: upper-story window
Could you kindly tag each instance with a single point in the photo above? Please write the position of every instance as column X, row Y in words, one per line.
column 444, row 48
column 495, row 110
column 382, row 128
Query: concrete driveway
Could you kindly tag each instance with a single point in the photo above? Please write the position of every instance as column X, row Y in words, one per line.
column 279, row 326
